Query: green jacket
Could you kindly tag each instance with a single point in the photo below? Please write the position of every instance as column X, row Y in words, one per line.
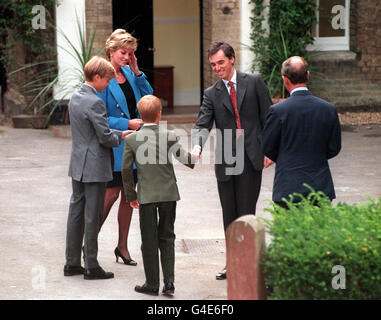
column 153, row 149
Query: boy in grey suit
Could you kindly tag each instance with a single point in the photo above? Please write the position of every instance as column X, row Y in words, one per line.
column 90, row 169
column 152, row 148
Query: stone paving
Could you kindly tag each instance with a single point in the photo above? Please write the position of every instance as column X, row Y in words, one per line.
column 34, row 199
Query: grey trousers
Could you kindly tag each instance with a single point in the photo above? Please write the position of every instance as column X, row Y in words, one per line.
column 84, row 222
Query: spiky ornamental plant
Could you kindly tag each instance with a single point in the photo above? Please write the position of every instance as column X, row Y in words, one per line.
column 42, row 86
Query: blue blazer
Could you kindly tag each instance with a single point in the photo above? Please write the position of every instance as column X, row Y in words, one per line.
column 300, row 135
column 118, row 115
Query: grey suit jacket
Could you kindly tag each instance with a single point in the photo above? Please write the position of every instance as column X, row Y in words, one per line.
column 92, row 139
column 253, row 102
column 153, row 149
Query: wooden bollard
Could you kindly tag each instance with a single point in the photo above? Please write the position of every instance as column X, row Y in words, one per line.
column 245, row 242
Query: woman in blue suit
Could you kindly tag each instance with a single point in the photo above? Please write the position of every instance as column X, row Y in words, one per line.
column 120, row 98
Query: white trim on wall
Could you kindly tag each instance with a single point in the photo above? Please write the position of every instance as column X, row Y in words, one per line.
column 247, row 56
column 66, row 21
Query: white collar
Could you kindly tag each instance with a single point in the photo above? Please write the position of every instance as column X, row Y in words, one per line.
column 299, row 89
column 233, row 79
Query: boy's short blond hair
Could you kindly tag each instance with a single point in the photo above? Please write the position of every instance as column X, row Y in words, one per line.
column 100, row 66
column 120, row 38
column 149, row 107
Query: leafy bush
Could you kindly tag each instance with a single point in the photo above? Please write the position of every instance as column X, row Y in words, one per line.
column 308, row 241
column 16, row 24
column 290, row 31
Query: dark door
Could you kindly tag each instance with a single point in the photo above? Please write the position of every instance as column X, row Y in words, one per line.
column 136, row 17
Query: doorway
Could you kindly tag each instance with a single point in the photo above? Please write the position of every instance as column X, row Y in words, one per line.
column 177, row 39
column 136, row 17
column 169, row 34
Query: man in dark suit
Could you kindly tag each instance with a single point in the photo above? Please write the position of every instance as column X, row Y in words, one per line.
column 237, row 104
column 300, row 135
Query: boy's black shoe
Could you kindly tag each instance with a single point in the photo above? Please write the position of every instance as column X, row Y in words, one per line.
column 144, row 289
column 169, row 288
column 73, row 270
column 97, row 274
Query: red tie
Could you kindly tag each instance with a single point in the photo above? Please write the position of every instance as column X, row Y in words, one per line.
column 233, row 97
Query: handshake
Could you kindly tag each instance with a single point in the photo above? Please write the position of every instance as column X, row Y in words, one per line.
column 197, row 154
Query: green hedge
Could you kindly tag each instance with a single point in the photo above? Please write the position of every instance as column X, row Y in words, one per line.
column 308, row 241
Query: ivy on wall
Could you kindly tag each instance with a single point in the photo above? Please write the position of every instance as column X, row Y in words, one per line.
column 16, row 18
column 290, row 23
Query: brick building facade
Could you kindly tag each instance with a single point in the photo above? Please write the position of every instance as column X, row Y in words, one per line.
column 98, row 15
column 348, row 78
column 221, row 21
column 353, row 78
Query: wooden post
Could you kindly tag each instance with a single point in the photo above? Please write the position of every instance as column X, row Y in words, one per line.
column 245, row 242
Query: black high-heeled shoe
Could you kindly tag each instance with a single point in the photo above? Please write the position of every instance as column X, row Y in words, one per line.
column 126, row 261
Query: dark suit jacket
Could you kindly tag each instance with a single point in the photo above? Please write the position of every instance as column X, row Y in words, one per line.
column 300, row 135
column 152, row 149
column 253, row 102
column 92, row 139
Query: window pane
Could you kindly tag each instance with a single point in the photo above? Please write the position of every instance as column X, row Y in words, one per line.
column 332, row 18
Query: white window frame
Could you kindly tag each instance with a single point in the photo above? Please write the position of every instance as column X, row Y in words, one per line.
column 332, row 43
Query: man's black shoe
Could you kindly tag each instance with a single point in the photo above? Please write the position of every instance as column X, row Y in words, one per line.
column 73, row 270
column 221, row 275
column 169, row 288
column 144, row 289
column 97, row 273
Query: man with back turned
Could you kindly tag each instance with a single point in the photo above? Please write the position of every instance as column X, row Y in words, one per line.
column 300, row 135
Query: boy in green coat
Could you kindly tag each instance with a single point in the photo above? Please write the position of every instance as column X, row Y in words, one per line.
column 152, row 148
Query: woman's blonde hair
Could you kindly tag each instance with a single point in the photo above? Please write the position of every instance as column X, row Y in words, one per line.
column 100, row 66
column 120, row 38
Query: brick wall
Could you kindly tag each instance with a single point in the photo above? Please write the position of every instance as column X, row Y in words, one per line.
column 15, row 99
column 218, row 26
column 369, row 39
column 99, row 18
column 353, row 79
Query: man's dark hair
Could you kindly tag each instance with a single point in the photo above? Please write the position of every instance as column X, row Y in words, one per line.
column 296, row 72
column 225, row 47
